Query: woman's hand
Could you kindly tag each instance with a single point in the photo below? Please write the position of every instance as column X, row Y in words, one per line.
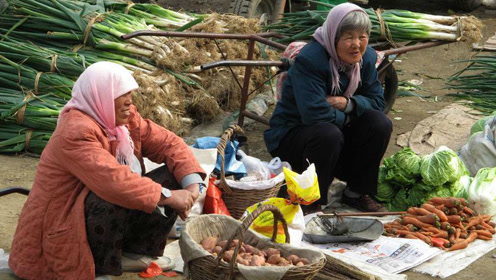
column 338, row 102
column 180, row 200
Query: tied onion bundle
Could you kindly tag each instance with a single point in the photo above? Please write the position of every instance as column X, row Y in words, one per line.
column 391, row 25
column 476, row 83
column 16, row 139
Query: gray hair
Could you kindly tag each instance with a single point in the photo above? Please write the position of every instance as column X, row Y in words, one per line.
column 356, row 20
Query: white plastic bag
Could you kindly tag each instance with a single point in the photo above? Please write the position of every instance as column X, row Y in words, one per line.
column 255, row 169
column 480, row 151
column 4, row 261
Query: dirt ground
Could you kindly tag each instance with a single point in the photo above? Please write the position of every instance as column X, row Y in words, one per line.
column 432, row 66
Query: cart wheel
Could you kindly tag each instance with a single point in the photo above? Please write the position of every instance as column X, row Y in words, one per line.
column 266, row 10
column 467, row 5
column 390, row 85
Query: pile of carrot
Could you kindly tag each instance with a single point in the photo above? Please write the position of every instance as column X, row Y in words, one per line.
column 444, row 222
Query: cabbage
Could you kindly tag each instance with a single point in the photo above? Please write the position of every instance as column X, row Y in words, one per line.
column 460, row 187
column 482, row 191
column 385, row 190
column 403, row 168
column 399, row 202
column 441, row 167
column 418, row 193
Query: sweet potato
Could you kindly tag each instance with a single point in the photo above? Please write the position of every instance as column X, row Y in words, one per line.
column 257, row 261
column 272, row 251
column 228, row 255
column 293, row 258
column 274, row 259
column 209, row 242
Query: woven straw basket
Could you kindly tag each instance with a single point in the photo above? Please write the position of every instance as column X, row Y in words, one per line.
column 238, row 200
column 201, row 265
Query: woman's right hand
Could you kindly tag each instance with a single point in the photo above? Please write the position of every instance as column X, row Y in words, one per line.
column 180, row 200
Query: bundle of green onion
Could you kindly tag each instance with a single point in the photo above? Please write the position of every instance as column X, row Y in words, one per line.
column 29, row 110
column 391, row 25
column 17, row 139
column 476, row 83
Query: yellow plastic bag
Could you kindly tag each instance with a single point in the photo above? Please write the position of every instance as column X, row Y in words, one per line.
column 304, row 188
column 264, row 224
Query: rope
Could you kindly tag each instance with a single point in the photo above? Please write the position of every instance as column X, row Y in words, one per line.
column 385, row 33
column 77, row 47
column 29, row 133
column 89, row 26
column 37, row 82
column 129, row 6
column 20, row 113
column 53, row 65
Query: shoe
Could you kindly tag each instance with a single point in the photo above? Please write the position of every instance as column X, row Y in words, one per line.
column 103, row 277
column 364, row 203
column 136, row 263
column 310, row 209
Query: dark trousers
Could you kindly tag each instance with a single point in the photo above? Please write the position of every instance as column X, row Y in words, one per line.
column 112, row 229
column 352, row 154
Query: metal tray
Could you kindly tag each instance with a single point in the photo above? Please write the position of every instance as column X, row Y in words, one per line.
column 359, row 229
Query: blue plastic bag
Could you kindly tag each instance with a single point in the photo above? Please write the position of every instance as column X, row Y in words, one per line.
column 232, row 166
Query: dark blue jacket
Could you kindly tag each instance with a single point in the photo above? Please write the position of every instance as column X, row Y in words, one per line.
column 304, row 92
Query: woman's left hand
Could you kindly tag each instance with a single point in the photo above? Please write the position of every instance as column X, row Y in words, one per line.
column 338, row 102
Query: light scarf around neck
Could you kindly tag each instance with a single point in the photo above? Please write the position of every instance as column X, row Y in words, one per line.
column 326, row 36
column 94, row 93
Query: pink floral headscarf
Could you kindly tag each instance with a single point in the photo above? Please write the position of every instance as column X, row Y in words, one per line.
column 94, row 93
column 326, row 36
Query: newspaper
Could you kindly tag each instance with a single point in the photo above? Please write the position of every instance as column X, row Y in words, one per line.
column 393, row 255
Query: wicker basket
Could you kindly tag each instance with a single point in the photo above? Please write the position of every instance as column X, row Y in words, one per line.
column 207, row 267
column 238, row 200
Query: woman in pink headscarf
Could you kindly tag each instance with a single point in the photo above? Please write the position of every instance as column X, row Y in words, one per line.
column 330, row 112
column 90, row 211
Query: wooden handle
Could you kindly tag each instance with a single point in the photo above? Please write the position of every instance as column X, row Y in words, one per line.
column 375, row 214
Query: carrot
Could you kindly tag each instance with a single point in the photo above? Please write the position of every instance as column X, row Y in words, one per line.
column 418, row 211
column 482, row 237
column 431, row 229
column 463, row 201
column 454, row 219
column 414, row 221
column 436, row 211
column 439, row 242
column 488, row 227
column 486, row 218
column 401, row 232
column 411, row 227
column 452, row 238
column 491, row 223
column 468, row 211
column 422, row 237
column 484, row 233
column 445, row 225
column 428, row 219
column 447, row 201
column 457, row 234
column 442, row 234
column 411, row 236
column 473, row 221
column 459, row 245
column 471, row 237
